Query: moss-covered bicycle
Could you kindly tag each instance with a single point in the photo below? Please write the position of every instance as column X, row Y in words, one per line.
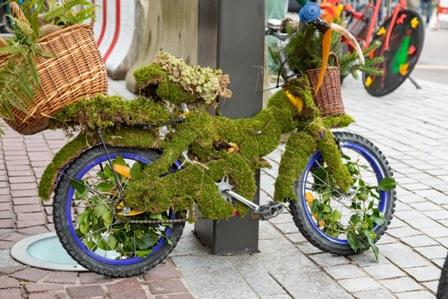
column 127, row 184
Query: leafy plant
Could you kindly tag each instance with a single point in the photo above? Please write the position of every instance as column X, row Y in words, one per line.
column 69, row 12
column 362, row 202
column 18, row 72
column 95, row 223
column 305, row 48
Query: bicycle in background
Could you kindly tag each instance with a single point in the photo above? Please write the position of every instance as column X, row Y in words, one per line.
column 402, row 35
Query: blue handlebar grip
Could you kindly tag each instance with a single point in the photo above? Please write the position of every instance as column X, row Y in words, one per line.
column 310, row 12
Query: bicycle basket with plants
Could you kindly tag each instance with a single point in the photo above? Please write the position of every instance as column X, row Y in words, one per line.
column 325, row 198
column 51, row 60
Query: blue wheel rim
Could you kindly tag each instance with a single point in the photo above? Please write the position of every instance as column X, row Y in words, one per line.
column 69, row 199
column 379, row 173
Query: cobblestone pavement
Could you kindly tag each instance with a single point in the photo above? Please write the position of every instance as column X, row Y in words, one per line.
column 408, row 126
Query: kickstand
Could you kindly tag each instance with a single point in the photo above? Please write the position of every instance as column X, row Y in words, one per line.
column 414, row 82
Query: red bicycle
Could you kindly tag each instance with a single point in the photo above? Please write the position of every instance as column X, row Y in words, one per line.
column 402, row 35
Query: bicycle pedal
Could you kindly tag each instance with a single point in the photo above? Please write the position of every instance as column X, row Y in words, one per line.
column 268, row 211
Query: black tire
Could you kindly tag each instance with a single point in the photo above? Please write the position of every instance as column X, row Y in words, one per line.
column 442, row 292
column 66, row 239
column 389, row 82
column 298, row 210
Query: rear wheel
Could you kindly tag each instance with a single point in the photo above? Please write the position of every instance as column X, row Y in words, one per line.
column 94, row 229
column 405, row 46
column 322, row 212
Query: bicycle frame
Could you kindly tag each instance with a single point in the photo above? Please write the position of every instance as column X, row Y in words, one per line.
column 373, row 20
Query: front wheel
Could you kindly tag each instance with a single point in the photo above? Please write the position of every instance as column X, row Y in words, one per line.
column 350, row 222
column 86, row 207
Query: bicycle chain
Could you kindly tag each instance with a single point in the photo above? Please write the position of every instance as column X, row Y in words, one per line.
column 154, row 221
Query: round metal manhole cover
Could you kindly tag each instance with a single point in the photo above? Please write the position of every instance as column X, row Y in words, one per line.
column 45, row 252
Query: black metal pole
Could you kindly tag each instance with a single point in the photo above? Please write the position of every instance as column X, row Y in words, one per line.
column 231, row 37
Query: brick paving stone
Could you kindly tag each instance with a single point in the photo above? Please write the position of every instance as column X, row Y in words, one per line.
column 23, row 193
column 295, row 238
column 10, row 294
column 403, row 256
column 287, row 228
column 433, row 252
column 11, row 269
column 124, row 284
column 419, row 241
column 415, row 295
column 435, row 232
column 401, row 232
column 35, row 230
column 62, row 277
column 48, row 295
column 30, row 216
column 167, row 287
column 437, row 215
column 308, row 248
column 134, row 294
column 30, row 274
column 424, row 273
column 6, row 206
column 6, row 223
column 402, row 284
column 6, row 245
column 344, row 271
column 30, row 208
column 432, row 285
column 22, row 179
column 374, row 294
column 85, row 291
column 425, row 206
column 383, row 271
column 367, row 259
column 327, row 259
column 93, row 278
column 8, row 283
column 26, row 200
column 30, row 223
column 189, row 296
column 359, row 284
column 162, row 272
column 23, row 186
column 5, row 198
column 6, row 215
column 43, row 287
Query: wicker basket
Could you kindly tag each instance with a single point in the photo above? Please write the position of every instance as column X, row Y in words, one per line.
column 328, row 98
column 73, row 71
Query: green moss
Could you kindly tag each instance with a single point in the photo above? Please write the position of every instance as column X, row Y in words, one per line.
column 299, row 148
column 104, row 112
column 174, row 93
column 149, row 75
column 125, row 137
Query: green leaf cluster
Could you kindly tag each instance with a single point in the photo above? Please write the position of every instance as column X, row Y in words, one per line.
column 95, row 223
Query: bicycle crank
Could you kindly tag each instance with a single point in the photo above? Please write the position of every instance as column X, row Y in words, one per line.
column 260, row 212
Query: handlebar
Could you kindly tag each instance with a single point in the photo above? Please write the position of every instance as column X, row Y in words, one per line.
column 310, row 14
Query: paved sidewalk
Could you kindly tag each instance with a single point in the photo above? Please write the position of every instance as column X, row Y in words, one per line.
column 409, row 126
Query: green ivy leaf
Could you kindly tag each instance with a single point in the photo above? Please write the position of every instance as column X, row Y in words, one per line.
column 137, row 171
column 387, row 184
column 112, row 242
column 353, row 242
column 143, row 253
column 336, row 216
column 79, row 186
column 105, row 186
